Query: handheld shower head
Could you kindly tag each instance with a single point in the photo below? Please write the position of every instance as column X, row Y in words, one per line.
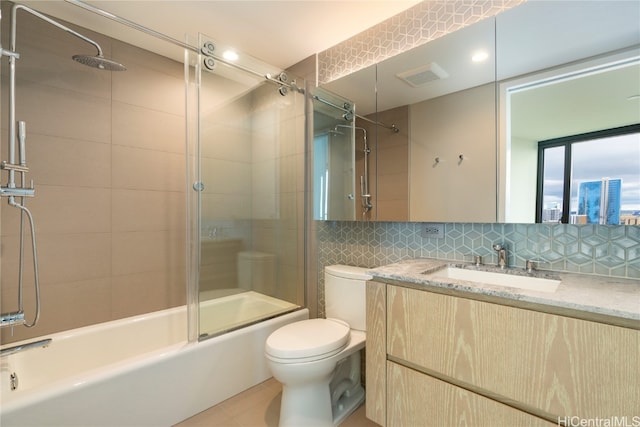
column 99, row 62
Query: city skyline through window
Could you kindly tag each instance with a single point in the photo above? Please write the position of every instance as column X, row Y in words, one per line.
column 600, row 174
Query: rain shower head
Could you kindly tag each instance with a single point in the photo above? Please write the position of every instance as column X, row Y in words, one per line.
column 99, row 62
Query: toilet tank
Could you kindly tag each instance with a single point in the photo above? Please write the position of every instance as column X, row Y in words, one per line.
column 345, row 294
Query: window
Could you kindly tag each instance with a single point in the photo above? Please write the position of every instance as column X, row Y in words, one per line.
column 592, row 178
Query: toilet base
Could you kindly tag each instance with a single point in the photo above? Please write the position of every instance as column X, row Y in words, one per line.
column 308, row 405
column 347, row 393
column 347, row 405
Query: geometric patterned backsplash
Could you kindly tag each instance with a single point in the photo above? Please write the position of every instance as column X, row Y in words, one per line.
column 603, row 250
column 588, row 249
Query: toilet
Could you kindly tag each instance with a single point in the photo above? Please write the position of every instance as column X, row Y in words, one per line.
column 317, row 361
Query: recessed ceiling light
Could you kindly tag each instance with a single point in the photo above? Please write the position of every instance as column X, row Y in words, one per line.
column 480, row 56
column 230, row 55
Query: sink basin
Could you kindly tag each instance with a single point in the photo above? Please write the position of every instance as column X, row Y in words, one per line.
column 499, row 279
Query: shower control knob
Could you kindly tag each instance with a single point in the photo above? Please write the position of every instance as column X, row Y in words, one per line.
column 198, row 186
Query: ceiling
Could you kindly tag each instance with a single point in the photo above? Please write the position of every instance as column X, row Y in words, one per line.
column 279, row 32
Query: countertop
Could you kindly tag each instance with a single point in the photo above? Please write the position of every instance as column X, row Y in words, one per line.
column 603, row 299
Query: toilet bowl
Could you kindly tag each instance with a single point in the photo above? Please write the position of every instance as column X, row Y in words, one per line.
column 318, row 360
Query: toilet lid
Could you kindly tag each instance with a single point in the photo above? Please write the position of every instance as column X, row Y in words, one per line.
column 308, row 338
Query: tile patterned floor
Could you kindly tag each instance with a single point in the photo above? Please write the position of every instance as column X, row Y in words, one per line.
column 257, row 407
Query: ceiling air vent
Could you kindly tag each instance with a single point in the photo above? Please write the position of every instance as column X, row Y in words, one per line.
column 422, row 75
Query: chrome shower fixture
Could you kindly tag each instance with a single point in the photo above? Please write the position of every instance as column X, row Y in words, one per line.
column 96, row 61
column 16, row 195
column 99, row 62
column 209, row 61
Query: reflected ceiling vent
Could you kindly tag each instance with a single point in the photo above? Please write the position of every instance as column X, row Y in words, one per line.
column 420, row 76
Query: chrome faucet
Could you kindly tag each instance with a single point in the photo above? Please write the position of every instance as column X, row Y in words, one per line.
column 502, row 255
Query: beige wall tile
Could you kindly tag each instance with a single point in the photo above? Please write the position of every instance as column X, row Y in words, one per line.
column 393, row 210
column 134, row 57
column 140, row 169
column 52, row 111
column 393, row 160
column 147, row 251
column 64, row 306
column 140, row 127
column 63, row 210
column 226, row 177
column 393, row 187
column 140, row 293
column 225, row 207
column 288, row 173
column 146, row 87
column 223, row 142
column 62, row 258
column 140, row 210
column 68, row 162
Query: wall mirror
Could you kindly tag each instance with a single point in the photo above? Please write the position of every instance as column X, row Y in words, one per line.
column 451, row 159
column 570, row 142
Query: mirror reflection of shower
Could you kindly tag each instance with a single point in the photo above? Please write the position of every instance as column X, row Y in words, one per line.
column 365, row 195
column 17, row 192
column 343, row 159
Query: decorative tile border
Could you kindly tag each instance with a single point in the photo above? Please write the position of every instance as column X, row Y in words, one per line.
column 423, row 22
column 588, row 249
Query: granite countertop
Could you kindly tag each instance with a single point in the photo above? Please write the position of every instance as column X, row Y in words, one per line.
column 604, row 299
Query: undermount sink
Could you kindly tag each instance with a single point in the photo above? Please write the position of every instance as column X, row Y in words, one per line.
column 499, row 279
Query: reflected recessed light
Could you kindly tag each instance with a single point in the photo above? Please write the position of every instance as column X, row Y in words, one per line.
column 480, row 56
column 230, row 55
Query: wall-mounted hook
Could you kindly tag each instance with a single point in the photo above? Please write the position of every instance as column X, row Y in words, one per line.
column 460, row 158
column 436, row 161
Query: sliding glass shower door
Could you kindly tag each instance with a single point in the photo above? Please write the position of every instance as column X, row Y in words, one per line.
column 247, row 179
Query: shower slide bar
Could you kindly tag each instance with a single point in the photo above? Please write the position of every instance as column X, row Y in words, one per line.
column 282, row 82
column 349, row 110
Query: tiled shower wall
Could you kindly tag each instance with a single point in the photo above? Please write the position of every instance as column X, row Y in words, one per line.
column 106, row 153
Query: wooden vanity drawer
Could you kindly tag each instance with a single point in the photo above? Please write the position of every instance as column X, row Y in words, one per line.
column 416, row 399
column 558, row 366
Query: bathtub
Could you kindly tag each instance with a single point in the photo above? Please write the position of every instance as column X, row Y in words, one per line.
column 138, row 371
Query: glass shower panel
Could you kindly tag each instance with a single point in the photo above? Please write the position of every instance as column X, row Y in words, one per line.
column 251, row 209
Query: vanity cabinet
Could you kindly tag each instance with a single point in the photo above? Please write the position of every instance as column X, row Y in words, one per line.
column 437, row 359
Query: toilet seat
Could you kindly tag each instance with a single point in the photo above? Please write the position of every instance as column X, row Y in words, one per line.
column 307, row 340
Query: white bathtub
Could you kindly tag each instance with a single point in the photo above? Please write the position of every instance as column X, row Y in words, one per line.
column 139, row 371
